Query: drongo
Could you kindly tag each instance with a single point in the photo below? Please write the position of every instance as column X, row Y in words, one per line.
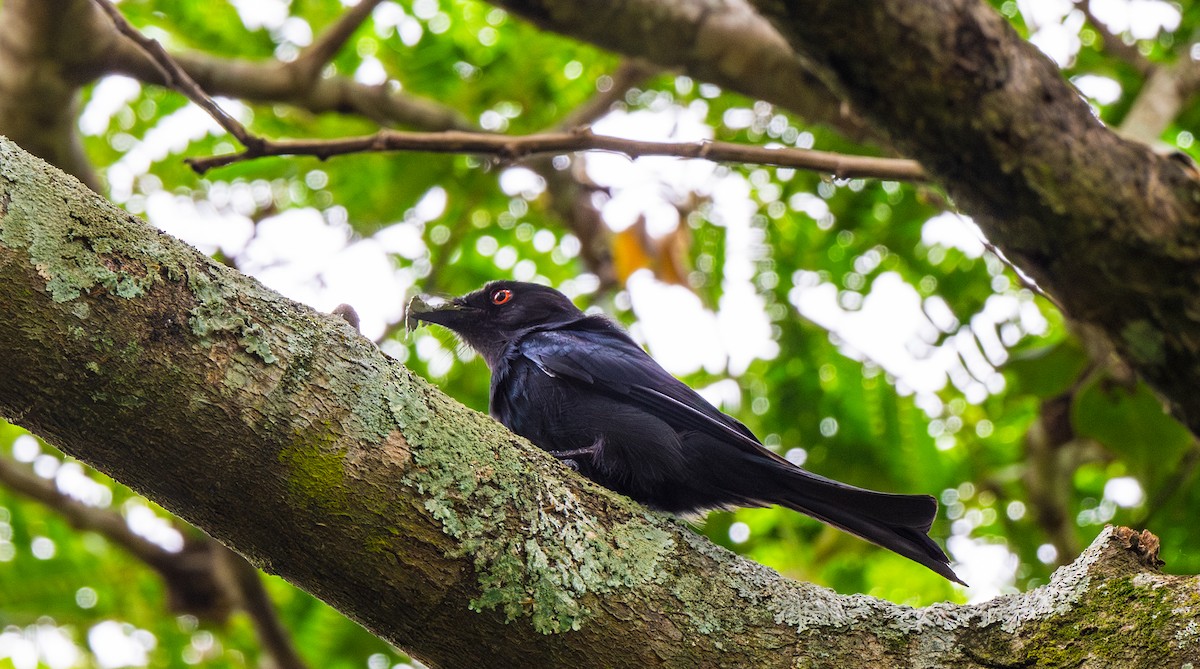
column 577, row 386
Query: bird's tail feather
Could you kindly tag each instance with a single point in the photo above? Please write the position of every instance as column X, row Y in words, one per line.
column 896, row 522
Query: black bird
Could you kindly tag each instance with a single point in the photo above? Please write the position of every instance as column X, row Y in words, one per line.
column 577, row 386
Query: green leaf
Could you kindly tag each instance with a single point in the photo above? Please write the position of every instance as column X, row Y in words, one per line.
column 1133, row 424
column 1047, row 371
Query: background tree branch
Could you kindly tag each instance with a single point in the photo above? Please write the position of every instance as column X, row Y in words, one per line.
column 204, row 578
column 725, row 42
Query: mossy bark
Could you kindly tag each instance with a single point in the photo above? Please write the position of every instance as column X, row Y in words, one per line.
column 295, row 441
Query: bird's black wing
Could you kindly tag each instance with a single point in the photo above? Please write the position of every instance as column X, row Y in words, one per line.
column 594, row 351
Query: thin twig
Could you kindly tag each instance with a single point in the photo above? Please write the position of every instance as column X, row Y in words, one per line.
column 256, row 601
column 177, row 79
column 512, row 148
column 320, row 52
column 630, row 73
column 1113, row 44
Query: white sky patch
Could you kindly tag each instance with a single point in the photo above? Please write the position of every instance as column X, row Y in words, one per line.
column 679, row 332
column 739, row 532
column 307, row 258
column 1104, row 90
column 363, row 276
column 1055, row 27
column 431, row 205
column 370, row 72
column 171, row 135
column 1124, row 491
column 120, row 644
column 296, row 30
column 1056, row 23
column 255, row 14
column 71, row 480
column 990, row 569
column 1143, row 19
column 390, row 16
column 142, row 520
column 294, row 243
column 885, row 329
column 741, row 317
column 953, row 231
column 109, row 96
column 522, row 181
column 725, row 394
column 46, row 644
column 643, row 187
column 405, row 239
column 25, row 448
column 199, row 223
column 1038, row 13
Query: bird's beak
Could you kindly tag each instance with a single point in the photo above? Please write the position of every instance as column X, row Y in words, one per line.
column 432, row 310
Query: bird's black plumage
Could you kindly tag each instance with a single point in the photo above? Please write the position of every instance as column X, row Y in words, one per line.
column 577, row 386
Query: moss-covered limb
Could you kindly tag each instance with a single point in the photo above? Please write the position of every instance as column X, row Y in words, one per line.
column 1109, row 228
column 292, row 439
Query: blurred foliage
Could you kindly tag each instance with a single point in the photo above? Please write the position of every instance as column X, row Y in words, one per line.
column 1005, row 350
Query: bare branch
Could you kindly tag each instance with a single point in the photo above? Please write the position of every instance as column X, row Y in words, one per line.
column 1112, row 44
column 323, row 50
column 630, row 73
column 178, row 79
column 194, row 579
column 257, row 603
column 102, row 521
column 1161, row 99
column 511, row 148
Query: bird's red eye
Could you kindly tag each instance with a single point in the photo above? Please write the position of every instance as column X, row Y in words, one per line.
column 501, row 296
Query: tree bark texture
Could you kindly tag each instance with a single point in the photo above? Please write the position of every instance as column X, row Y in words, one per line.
column 1105, row 225
column 292, row 439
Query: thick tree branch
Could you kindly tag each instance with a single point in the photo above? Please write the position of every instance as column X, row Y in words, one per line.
column 1103, row 224
column 289, row 437
column 724, row 42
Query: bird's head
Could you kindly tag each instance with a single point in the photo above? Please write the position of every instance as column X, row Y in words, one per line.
column 491, row 317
